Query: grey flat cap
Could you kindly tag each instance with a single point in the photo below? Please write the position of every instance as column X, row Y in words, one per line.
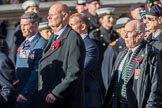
column 43, row 25
column 121, row 22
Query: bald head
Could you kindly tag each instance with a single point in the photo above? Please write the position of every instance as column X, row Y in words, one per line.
column 60, row 7
column 136, row 25
column 58, row 16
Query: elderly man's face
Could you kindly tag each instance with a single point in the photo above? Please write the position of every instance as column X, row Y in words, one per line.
column 152, row 23
column 131, row 36
column 27, row 28
column 55, row 17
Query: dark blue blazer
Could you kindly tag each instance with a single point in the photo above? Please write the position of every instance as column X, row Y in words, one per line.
column 27, row 67
column 92, row 92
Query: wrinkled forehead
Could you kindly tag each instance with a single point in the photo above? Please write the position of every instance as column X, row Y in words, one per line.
column 150, row 16
column 129, row 27
column 25, row 21
column 54, row 10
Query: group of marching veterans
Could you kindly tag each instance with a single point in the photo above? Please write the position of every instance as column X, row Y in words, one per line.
column 88, row 59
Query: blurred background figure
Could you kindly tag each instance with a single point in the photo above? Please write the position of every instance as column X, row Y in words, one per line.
column 80, row 6
column 45, row 30
column 113, row 50
column 155, row 2
column 158, row 2
column 7, row 77
column 28, row 6
column 135, row 9
column 14, row 1
column 79, row 22
column 31, row 6
column 119, row 26
column 103, row 36
column 92, row 6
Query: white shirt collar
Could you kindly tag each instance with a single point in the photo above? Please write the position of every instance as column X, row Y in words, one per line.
column 31, row 38
column 84, row 35
column 60, row 32
column 133, row 49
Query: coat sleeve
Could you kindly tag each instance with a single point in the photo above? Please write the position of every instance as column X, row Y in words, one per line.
column 7, row 75
column 74, row 71
column 156, row 82
column 92, row 55
column 32, row 84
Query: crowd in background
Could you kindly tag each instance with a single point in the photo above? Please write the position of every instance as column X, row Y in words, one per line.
column 88, row 59
column 17, row 1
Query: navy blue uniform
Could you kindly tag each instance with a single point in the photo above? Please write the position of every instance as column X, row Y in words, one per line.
column 28, row 57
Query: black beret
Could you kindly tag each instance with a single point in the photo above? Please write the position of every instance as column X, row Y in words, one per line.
column 155, row 10
column 89, row 1
column 136, row 5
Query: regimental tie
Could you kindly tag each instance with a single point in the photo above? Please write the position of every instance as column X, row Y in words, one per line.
column 53, row 39
column 124, row 77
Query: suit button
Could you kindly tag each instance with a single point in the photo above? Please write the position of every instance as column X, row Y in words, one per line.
column 104, row 44
column 101, row 35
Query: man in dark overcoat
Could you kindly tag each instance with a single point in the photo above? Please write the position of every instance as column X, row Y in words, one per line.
column 7, row 77
column 136, row 75
column 61, row 67
column 79, row 22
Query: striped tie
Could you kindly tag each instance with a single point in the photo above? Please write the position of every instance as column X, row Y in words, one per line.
column 124, row 77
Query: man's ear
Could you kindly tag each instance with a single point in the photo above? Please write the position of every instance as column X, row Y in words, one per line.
column 65, row 15
column 84, row 26
column 160, row 20
column 100, row 20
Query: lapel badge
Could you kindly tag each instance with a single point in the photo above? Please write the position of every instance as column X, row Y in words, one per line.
column 120, row 47
column 32, row 54
column 137, row 73
column 104, row 44
column 101, row 35
column 142, row 55
column 91, row 27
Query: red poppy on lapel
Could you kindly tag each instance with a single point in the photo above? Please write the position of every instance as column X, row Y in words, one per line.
column 19, row 49
column 57, row 44
column 138, row 60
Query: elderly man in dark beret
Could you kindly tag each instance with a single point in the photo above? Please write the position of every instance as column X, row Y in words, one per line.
column 135, row 10
column 154, row 21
